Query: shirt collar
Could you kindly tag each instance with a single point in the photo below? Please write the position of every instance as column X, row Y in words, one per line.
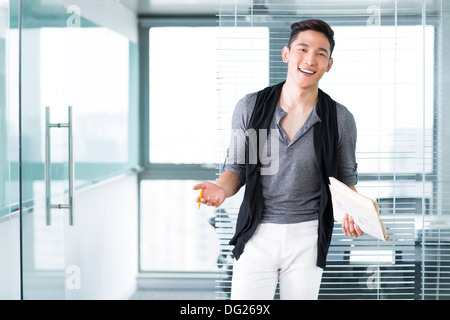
column 312, row 119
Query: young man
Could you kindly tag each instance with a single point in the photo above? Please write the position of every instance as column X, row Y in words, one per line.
column 285, row 222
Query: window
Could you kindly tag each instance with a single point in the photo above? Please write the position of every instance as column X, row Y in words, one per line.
column 176, row 236
column 185, row 110
column 183, row 95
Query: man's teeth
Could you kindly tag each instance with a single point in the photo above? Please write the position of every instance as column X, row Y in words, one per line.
column 307, row 71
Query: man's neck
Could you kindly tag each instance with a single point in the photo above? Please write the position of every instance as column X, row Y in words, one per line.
column 298, row 99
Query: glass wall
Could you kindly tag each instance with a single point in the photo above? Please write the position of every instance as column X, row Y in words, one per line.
column 9, row 126
column 389, row 72
column 9, row 152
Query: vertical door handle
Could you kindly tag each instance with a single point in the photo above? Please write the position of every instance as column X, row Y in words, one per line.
column 48, row 175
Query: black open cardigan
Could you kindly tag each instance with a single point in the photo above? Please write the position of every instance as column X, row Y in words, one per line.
column 326, row 150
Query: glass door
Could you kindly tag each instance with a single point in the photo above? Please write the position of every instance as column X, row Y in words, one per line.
column 75, row 103
column 47, row 158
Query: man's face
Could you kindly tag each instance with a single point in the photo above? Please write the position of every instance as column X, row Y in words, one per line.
column 308, row 58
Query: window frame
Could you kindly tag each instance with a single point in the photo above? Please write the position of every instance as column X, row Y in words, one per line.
column 165, row 171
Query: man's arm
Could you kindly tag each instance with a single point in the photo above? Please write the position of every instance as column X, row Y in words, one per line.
column 214, row 194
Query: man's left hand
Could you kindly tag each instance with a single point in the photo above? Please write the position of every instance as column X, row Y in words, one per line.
column 350, row 228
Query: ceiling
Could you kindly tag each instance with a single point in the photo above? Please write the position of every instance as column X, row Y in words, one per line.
column 172, row 7
column 210, row 7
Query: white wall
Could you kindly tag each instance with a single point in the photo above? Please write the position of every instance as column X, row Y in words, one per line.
column 103, row 242
column 100, row 250
column 10, row 257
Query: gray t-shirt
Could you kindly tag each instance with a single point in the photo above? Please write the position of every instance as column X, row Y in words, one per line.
column 291, row 188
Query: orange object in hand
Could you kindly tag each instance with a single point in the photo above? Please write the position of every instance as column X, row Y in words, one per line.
column 200, row 198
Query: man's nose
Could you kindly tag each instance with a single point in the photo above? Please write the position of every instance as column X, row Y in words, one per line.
column 310, row 58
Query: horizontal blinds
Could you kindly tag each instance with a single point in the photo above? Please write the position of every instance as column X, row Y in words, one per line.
column 435, row 235
column 388, row 71
column 367, row 268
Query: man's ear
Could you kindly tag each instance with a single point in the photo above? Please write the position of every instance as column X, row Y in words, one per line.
column 330, row 64
column 285, row 54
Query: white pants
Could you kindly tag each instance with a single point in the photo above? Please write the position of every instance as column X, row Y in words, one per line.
column 278, row 252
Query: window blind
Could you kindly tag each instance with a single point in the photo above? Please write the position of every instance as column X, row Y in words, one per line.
column 389, row 72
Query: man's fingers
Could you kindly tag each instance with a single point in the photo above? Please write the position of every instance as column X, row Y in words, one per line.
column 199, row 186
column 358, row 230
column 354, row 228
column 350, row 228
column 345, row 225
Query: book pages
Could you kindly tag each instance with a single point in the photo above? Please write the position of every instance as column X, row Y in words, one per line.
column 363, row 210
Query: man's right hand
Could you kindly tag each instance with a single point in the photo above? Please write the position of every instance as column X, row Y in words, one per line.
column 213, row 195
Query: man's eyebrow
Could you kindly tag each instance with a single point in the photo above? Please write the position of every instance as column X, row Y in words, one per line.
column 307, row 45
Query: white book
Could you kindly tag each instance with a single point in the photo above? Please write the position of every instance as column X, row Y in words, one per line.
column 362, row 209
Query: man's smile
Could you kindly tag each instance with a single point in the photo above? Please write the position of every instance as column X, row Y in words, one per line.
column 307, row 71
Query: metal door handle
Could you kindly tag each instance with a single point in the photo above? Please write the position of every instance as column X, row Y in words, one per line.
column 48, row 176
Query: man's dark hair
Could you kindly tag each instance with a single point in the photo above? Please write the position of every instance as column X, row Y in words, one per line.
column 315, row 25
